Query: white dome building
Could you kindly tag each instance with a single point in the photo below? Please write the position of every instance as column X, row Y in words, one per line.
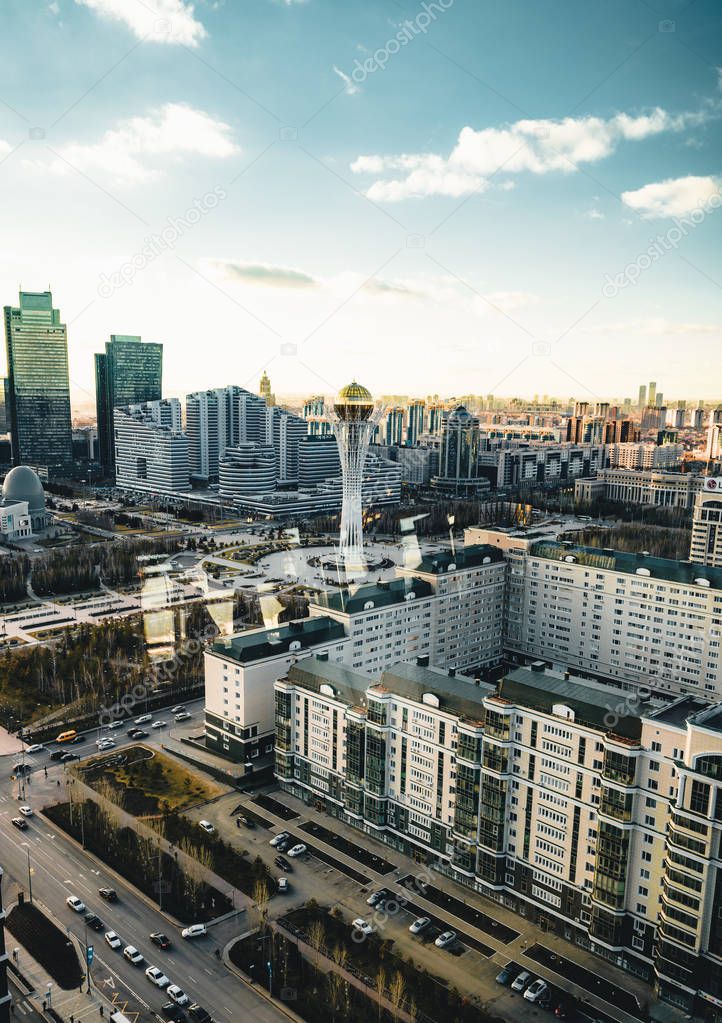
column 22, row 508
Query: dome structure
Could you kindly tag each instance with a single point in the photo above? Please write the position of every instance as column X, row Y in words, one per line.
column 23, row 484
column 354, row 401
column 460, row 415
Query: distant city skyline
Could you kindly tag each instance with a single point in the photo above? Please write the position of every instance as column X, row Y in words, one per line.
column 399, row 198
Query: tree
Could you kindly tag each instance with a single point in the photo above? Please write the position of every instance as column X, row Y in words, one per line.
column 397, row 993
column 316, row 937
column 260, row 897
column 380, row 985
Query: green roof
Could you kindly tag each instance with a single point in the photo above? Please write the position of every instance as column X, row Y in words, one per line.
column 351, row 600
column 594, row 704
column 626, row 562
column 257, row 644
column 464, row 557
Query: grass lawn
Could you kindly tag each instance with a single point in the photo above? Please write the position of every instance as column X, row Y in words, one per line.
column 146, row 782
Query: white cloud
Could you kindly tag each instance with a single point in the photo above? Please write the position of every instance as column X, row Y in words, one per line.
column 508, row 301
column 5, row 147
column 349, row 87
column 158, row 21
column 538, row 147
column 594, row 214
column 130, row 152
column 265, row 275
column 674, row 197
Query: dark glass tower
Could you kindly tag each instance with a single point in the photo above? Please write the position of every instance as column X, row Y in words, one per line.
column 38, row 392
column 128, row 373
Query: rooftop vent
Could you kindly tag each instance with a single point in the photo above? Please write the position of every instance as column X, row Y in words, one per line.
column 423, row 660
column 452, row 672
column 537, row 666
column 323, row 655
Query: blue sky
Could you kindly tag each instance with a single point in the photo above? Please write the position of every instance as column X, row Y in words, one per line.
column 460, row 196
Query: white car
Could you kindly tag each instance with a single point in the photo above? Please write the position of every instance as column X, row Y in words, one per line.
column 207, row 827
column 298, row 850
column 535, row 991
column 177, row 995
column 144, row 719
column 131, row 953
column 420, row 924
column 157, row 977
column 280, row 837
column 116, row 724
column 194, row 931
column 106, row 744
column 35, row 748
column 282, row 885
column 113, row 940
column 26, row 811
column 446, row 939
column 75, row 903
column 521, row 981
column 177, row 709
column 363, row 926
column 158, row 724
column 183, row 716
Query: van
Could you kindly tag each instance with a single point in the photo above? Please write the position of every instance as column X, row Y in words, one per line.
column 66, row 736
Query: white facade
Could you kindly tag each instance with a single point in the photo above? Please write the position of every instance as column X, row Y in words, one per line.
column 706, row 543
column 641, row 486
column 151, row 451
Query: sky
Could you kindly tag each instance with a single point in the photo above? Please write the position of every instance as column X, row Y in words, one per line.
column 447, row 197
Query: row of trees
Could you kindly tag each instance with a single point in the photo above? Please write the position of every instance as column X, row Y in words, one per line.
column 660, row 541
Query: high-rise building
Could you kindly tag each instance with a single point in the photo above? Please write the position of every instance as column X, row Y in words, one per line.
column 38, row 387
column 435, row 418
column 706, row 543
column 247, row 469
column 151, row 450
column 318, row 460
column 285, row 431
column 129, row 372
column 642, row 400
column 218, row 419
column 353, row 427
column 394, row 426
column 698, row 419
column 265, row 390
column 415, row 415
column 458, row 461
column 652, row 393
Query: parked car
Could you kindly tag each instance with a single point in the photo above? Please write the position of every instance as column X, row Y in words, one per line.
column 35, row 748
column 284, row 845
column 198, row 1014
column 376, row 898
column 207, row 827
column 26, row 811
column 536, row 990
column 283, row 864
column 183, row 716
column 112, row 939
column 131, row 953
column 194, row 931
column 420, row 924
column 143, row 719
column 75, row 903
column 277, row 839
column 156, row 976
column 94, row 922
column 171, row 1011
column 282, row 885
column 298, row 850
column 521, row 981
column 160, row 939
column 246, row 822
column 20, row 823
column 506, row 974
column 446, row 939
column 177, row 995
column 109, row 894
column 362, row 925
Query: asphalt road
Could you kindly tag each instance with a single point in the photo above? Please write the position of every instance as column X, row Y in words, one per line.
column 59, row 868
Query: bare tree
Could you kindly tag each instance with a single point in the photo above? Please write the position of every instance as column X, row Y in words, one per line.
column 260, row 897
column 380, row 985
column 316, row 939
column 397, row 993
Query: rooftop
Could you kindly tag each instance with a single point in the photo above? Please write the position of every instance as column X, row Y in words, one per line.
column 464, row 557
column 678, row 712
column 595, row 704
column 257, row 644
column 626, row 562
column 351, row 600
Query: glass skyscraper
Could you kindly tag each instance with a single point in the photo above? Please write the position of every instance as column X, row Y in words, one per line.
column 129, row 372
column 38, row 392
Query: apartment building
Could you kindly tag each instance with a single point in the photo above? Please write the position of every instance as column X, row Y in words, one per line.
column 590, row 811
column 537, row 464
column 706, row 542
column 644, row 456
column 632, row 619
column 151, row 450
column 640, row 486
column 239, row 674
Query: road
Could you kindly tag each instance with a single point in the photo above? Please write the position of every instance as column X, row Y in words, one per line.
column 60, row 868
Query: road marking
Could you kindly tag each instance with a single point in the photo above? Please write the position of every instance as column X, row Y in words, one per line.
column 209, row 972
column 192, row 979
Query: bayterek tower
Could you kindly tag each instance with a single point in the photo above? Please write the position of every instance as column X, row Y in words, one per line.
column 353, row 424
